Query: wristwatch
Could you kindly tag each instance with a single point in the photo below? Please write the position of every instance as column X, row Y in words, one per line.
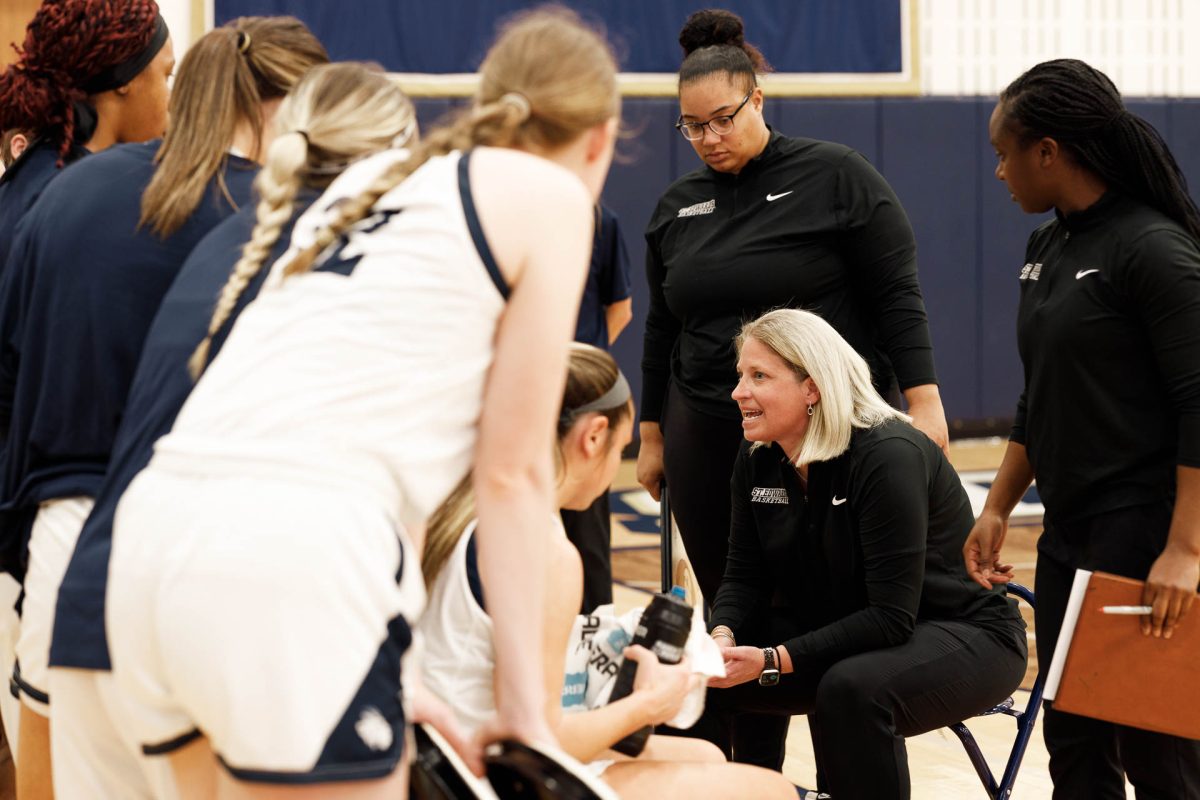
column 770, row 673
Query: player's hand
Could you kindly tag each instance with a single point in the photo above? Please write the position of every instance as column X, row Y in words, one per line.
column 661, row 688
column 428, row 708
column 981, row 552
column 1170, row 590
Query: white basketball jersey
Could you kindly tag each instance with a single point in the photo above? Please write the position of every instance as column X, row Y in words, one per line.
column 459, row 661
column 374, row 363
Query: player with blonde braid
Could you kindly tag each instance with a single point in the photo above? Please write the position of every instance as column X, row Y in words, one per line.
column 89, row 265
column 349, row 111
column 263, row 582
column 341, row 113
column 499, row 118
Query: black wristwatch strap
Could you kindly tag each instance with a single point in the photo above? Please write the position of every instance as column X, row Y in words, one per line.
column 770, row 659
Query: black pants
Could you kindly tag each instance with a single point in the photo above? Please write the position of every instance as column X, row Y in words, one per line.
column 590, row 531
column 698, row 455
column 867, row 704
column 1088, row 757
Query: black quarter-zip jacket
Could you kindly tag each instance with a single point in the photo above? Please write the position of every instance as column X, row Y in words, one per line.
column 1109, row 335
column 873, row 547
column 806, row 224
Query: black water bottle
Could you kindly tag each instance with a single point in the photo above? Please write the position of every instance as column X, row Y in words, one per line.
column 663, row 630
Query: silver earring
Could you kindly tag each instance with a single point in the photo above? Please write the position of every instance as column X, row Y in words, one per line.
column 810, row 408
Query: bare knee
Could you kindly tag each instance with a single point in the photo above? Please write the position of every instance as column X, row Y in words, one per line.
column 682, row 748
column 703, row 752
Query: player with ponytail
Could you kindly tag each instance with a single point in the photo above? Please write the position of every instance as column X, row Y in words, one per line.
column 418, row 328
column 90, row 264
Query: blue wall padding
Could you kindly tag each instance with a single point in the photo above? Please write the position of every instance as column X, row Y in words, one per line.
column 935, row 153
column 915, row 162
column 856, row 36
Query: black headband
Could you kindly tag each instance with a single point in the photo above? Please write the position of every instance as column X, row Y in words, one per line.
column 118, row 75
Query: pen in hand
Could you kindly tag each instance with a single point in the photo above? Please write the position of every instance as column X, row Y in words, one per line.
column 1126, row 610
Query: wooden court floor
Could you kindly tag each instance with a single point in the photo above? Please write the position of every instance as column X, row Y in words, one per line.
column 939, row 767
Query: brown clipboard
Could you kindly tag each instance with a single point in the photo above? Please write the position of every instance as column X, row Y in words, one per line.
column 1116, row 673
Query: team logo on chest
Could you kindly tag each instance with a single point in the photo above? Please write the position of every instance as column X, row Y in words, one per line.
column 699, row 209
column 775, row 497
column 1031, row 272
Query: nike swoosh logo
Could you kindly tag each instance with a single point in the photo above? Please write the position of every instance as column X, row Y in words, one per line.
column 772, row 197
column 1083, row 272
column 838, row 502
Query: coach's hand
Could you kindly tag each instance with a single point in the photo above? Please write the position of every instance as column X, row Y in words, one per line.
column 742, row 664
column 650, row 458
column 981, row 553
column 1170, row 590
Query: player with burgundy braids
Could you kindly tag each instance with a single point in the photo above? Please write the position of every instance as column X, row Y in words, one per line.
column 91, row 74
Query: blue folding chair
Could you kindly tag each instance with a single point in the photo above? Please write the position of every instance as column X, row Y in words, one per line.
column 1025, row 720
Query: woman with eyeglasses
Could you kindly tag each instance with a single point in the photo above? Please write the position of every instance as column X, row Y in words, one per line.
column 768, row 221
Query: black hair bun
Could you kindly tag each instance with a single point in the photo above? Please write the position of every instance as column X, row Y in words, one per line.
column 712, row 26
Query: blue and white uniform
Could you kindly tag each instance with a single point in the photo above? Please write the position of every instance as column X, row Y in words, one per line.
column 94, row 755
column 82, row 284
column 458, row 660
column 262, row 586
column 160, row 386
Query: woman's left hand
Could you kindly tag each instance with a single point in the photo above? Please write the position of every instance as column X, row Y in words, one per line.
column 1170, row 590
column 742, row 664
column 928, row 416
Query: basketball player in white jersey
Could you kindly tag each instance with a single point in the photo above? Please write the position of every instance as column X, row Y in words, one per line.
column 262, row 583
column 595, row 424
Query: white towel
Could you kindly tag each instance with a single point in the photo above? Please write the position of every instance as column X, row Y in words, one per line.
column 594, row 655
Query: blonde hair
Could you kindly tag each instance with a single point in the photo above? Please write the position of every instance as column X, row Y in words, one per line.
column 336, row 114
column 812, row 348
column 591, row 373
column 224, row 79
column 547, row 79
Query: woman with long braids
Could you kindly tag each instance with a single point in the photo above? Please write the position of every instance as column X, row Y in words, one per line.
column 336, row 115
column 265, row 566
column 1109, row 420
column 90, row 264
column 91, row 74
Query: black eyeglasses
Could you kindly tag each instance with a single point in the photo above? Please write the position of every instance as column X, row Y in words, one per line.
column 721, row 125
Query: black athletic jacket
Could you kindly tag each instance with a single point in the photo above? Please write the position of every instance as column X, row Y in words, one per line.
column 1109, row 334
column 873, row 548
column 806, row 224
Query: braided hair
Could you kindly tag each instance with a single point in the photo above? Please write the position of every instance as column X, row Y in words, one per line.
column 1080, row 108
column 546, row 80
column 68, row 43
column 337, row 114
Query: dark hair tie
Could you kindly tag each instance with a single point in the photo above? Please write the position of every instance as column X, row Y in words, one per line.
column 303, row 133
column 243, row 42
column 118, row 75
